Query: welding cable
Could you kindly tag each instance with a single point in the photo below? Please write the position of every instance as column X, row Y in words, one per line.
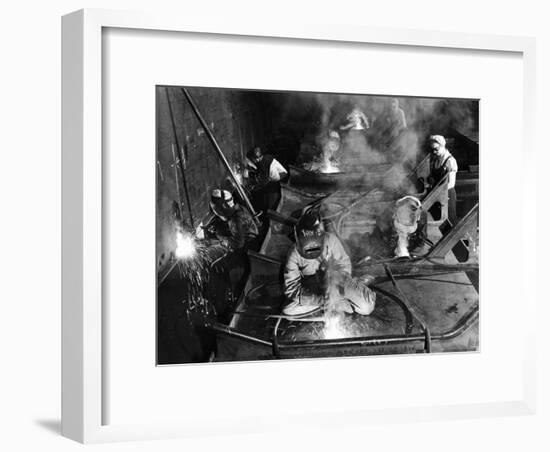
column 418, row 276
column 427, row 279
column 443, row 265
column 282, row 317
column 339, row 226
column 427, row 342
column 377, row 260
column 409, row 319
column 354, row 202
column 297, row 317
column 255, row 289
column 275, row 341
column 418, row 262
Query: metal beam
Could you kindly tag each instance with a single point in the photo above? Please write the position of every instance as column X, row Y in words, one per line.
column 440, row 193
column 452, row 237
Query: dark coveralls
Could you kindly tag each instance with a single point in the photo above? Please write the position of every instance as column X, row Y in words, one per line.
column 236, row 235
column 438, row 172
column 266, row 193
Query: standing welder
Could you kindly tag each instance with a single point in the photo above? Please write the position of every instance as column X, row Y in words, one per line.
column 395, row 119
column 442, row 164
column 265, row 176
column 355, row 149
column 318, row 272
column 390, row 129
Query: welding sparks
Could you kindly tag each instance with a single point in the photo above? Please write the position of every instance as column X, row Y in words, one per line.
column 194, row 265
column 334, row 328
column 329, row 168
column 185, row 246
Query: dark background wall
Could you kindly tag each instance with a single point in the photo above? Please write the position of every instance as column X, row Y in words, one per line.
column 236, row 119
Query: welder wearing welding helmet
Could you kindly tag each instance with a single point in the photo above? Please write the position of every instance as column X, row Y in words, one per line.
column 234, row 226
column 310, row 235
column 409, row 229
column 400, row 230
column 222, row 203
column 318, row 266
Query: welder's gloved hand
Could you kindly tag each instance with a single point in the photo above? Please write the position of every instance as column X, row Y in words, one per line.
column 316, row 284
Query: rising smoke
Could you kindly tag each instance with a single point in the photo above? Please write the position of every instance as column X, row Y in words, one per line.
column 360, row 148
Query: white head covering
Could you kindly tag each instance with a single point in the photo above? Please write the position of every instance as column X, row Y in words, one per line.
column 438, row 139
column 403, row 230
column 414, row 199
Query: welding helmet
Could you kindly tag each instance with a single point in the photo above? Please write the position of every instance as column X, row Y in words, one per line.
column 408, row 210
column 222, row 203
column 310, row 234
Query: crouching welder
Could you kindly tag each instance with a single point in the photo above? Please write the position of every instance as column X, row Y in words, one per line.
column 229, row 234
column 401, row 230
column 318, row 273
column 233, row 226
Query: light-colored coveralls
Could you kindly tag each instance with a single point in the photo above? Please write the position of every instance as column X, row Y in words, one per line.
column 350, row 295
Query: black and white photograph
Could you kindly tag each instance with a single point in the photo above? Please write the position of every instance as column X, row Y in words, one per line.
column 311, row 225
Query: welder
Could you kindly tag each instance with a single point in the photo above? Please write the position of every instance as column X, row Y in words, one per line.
column 232, row 226
column 318, row 272
column 265, row 174
column 356, row 120
column 395, row 119
column 229, row 235
column 331, row 146
column 400, row 231
column 354, row 141
column 391, row 127
column 442, row 164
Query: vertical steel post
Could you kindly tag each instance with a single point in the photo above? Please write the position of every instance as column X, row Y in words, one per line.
column 180, row 160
